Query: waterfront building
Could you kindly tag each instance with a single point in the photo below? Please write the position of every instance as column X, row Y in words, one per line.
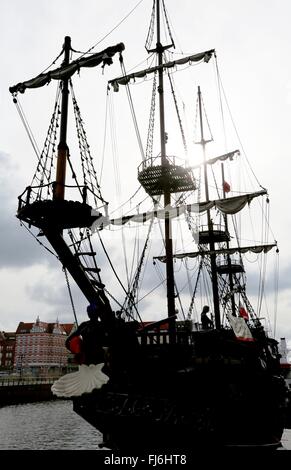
column 40, row 347
column 7, row 350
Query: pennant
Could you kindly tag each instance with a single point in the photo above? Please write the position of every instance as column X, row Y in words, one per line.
column 243, row 313
column 226, row 187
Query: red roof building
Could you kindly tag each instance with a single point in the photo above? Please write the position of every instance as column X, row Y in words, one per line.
column 40, row 346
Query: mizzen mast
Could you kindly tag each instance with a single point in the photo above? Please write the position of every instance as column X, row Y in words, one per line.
column 210, row 234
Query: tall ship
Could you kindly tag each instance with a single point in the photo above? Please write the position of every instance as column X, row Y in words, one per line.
column 174, row 354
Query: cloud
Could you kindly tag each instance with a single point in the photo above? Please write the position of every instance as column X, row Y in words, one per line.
column 8, row 169
column 284, row 280
column 18, row 249
column 50, row 291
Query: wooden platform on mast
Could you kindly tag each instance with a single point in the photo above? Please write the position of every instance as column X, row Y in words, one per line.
column 217, row 235
column 55, row 214
column 232, row 268
column 156, row 179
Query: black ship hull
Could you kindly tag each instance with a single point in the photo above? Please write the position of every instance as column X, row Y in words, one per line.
column 234, row 398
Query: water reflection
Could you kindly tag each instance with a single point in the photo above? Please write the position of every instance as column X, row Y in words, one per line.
column 53, row 425
column 47, row 425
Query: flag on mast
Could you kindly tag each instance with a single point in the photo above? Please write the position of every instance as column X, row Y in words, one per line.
column 226, row 187
column 243, row 313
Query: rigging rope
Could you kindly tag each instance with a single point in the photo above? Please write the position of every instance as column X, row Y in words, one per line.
column 152, row 290
column 196, row 121
column 132, row 110
column 113, row 29
column 119, row 304
column 133, row 291
column 54, row 61
column 105, row 136
column 45, row 157
column 179, row 299
column 150, row 136
column 26, row 126
column 190, row 311
column 129, row 200
column 178, row 115
column 38, row 241
column 168, row 25
column 48, row 154
column 114, row 271
column 151, row 30
column 70, row 295
column 235, row 128
column 220, row 102
column 263, row 260
column 276, row 289
column 89, row 173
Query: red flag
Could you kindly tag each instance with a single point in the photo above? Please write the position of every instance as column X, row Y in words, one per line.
column 226, row 187
column 243, row 313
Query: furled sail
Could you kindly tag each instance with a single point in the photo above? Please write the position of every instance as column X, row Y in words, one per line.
column 206, row 56
column 225, row 251
column 230, row 205
column 235, row 204
column 65, row 72
column 222, row 158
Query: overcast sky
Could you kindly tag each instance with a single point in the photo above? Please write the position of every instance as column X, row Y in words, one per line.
column 252, row 39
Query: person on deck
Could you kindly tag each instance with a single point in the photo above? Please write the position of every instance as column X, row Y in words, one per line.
column 206, row 322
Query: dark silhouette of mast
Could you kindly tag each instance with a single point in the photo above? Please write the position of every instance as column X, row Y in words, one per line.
column 52, row 217
column 167, row 194
column 210, row 225
column 230, row 276
column 59, row 190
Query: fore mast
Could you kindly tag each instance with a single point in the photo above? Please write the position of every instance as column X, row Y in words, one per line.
column 43, row 205
column 59, row 189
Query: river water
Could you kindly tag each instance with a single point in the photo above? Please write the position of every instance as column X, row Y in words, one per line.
column 53, row 425
column 50, row 425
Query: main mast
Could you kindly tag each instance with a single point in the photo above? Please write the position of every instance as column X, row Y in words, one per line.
column 167, row 194
column 230, row 275
column 162, row 176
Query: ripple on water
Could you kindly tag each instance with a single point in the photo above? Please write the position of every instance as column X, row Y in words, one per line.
column 47, row 425
column 53, row 425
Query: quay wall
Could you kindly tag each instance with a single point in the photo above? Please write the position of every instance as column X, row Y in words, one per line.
column 14, row 392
